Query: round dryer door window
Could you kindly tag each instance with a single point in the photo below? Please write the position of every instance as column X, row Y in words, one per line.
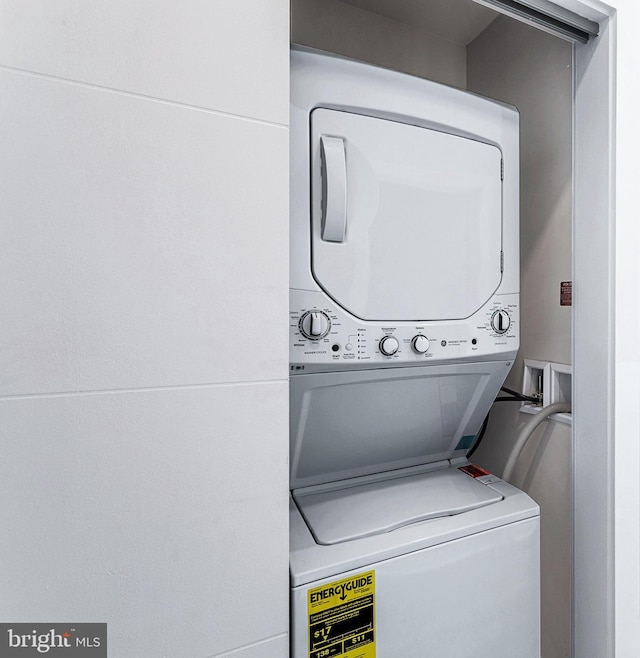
column 406, row 220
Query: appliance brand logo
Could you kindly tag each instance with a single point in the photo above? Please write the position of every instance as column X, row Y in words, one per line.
column 80, row 640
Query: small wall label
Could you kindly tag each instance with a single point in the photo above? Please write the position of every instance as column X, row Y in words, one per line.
column 566, row 293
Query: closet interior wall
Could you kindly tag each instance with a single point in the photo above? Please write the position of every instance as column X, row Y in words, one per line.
column 532, row 70
column 340, row 28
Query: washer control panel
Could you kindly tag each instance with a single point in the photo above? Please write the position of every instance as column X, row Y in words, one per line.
column 323, row 336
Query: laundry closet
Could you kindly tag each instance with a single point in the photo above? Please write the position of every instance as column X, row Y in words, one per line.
column 468, row 46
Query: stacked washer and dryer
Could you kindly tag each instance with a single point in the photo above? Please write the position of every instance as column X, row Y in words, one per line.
column 404, row 324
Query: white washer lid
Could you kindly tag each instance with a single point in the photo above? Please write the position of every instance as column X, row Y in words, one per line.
column 360, row 422
column 337, row 513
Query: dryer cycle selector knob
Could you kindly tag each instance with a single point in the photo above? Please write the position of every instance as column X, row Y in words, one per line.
column 420, row 344
column 314, row 325
column 500, row 321
column 389, row 345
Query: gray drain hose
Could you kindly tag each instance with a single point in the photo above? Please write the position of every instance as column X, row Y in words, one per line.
column 527, row 431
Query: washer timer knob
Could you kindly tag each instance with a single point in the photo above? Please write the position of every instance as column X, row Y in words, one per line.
column 389, row 345
column 420, row 344
column 314, row 325
column 500, row 321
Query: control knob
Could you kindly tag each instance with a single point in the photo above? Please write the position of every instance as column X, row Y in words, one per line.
column 500, row 321
column 314, row 325
column 389, row 345
column 420, row 344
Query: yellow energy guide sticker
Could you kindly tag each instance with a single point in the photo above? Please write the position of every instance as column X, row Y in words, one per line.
column 342, row 618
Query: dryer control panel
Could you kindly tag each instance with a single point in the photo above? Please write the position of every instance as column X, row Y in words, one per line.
column 323, row 337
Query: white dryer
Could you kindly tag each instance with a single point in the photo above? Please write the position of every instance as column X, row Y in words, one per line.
column 404, row 324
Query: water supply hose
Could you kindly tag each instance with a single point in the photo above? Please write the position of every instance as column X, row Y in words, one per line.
column 527, row 431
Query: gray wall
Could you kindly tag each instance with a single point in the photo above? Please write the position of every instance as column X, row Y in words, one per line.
column 360, row 34
column 532, row 70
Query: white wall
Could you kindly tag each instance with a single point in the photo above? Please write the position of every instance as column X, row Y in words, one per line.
column 143, row 352
column 625, row 324
column 364, row 35
column 594, row 355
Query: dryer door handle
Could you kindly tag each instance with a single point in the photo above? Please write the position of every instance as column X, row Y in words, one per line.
column 334, row 188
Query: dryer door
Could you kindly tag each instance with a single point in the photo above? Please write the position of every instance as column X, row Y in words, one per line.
column 406, row 220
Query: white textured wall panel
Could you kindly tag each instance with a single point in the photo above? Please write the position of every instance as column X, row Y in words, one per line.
column 143, row 244
column 144, row 254
column 228, row 55
column 161, row 513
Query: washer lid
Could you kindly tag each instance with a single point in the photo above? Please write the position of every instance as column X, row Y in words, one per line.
column 340, row 512
column 353, row 423
column 406, row 221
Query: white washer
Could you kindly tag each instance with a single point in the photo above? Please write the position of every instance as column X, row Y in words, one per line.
column 404, row 324
column 459, row 585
